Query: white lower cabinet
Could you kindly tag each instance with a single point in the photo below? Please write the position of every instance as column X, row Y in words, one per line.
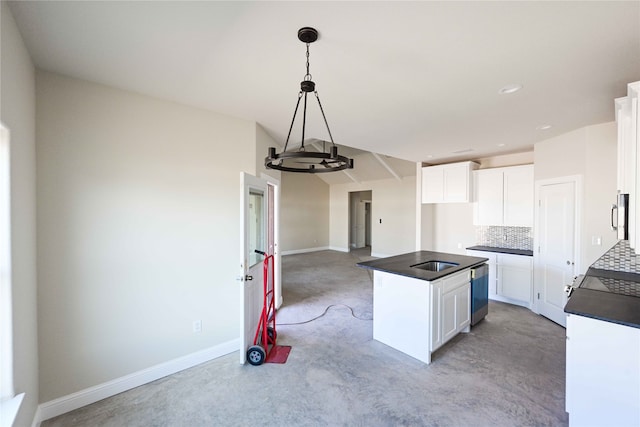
column 603, row 373
column 514, row 278
column 510, row 277
column 416, row 316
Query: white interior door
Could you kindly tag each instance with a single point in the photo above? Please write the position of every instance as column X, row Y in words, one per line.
column 556, row 247
column 253, row 236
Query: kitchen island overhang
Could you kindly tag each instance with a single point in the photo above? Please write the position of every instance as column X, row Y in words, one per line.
column 416, row 311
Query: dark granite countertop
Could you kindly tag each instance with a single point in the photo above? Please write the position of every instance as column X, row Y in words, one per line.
column 607, row 295
column 501, row 250
column 401, row 264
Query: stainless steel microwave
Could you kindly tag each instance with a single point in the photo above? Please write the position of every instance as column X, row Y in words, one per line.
column 620, row 213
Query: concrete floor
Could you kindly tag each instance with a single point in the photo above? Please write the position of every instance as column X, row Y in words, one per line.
column 508, row 371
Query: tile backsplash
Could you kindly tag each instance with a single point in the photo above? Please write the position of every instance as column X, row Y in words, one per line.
column 619, row 258
column 505, row 237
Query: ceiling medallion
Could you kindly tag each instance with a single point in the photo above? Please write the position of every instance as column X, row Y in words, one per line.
column 301, row 160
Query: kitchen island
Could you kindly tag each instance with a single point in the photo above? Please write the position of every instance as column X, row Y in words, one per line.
column 421, row 300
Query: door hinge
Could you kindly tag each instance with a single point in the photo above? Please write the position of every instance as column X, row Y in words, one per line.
column 538, row 295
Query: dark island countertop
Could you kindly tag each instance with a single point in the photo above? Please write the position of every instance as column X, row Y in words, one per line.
column 501, row 250
column 611, row 296
column 401, row 264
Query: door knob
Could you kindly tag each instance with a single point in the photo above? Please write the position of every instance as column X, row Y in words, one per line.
column 569, row 263
column 247, row 277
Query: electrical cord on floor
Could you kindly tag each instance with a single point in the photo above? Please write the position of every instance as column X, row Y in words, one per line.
column 325, row 312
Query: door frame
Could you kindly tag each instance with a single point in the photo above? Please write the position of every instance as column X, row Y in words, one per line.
column 577, row 237
column 351, row 213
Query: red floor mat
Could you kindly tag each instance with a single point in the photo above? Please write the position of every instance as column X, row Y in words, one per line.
column 278, row 354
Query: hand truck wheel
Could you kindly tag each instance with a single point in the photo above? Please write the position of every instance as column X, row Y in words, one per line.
column 255, row 355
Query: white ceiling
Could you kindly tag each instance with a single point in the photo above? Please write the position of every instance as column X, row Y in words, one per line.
column 415, row 80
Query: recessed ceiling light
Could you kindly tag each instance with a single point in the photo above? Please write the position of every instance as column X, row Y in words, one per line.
column 510, row 88
column 500, row 145
column 543, row 127
column 430, row 156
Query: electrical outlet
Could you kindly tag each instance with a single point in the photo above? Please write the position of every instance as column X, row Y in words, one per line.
column 596, row 240
column 197, row 326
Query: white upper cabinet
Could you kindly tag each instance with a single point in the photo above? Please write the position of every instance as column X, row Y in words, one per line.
column 489, row 195
column 449, row 183
column 504, row 196
column 626, row 144
column 518, row 196
column 628, row 123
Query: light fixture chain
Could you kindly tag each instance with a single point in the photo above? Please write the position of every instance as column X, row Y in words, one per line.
column 324, row 117
column 286, row 144
column 308, row 75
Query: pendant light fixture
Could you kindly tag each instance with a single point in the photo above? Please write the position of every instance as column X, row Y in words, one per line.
column 300, row 160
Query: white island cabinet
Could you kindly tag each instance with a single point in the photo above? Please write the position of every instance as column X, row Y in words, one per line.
column 417, row 316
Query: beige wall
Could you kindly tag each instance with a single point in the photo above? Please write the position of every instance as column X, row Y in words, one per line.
column 563, row 155
column 600, row 190
column 591, row 153
column 17, row 112
column 515, row 159
column 392, row 201
column 454, row 230
column 263, row 142
column 304, row 211
column 137, row 230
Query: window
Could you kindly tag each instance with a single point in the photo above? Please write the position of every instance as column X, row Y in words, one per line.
column 8, row 403
column 256, row 226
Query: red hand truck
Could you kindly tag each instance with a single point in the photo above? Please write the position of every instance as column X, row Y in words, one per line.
column 265, row 338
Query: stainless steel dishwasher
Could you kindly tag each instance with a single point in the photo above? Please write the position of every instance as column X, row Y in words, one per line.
column 479, row 293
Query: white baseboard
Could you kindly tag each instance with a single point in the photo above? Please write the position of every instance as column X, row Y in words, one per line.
column 304, row 251
column 37, row 418
column 379, row 255
column 93, row 394
column 339, row 249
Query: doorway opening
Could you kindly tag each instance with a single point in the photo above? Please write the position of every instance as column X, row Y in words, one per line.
column 360, row 208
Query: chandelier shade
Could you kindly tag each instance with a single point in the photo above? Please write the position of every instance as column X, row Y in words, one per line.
column 301, row 160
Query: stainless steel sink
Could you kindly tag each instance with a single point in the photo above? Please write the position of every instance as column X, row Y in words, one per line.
column 435, row 265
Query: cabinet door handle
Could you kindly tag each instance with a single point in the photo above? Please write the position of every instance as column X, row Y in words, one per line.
column 613, row 208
